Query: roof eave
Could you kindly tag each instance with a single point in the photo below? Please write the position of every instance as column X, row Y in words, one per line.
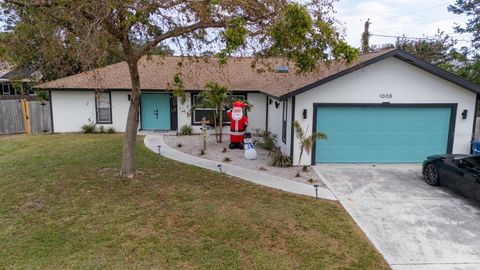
column 446, row 75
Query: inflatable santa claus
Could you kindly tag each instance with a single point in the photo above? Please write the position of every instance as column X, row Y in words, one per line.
column 238, row 124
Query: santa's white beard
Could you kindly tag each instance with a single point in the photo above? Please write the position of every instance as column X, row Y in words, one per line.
column 237, row 116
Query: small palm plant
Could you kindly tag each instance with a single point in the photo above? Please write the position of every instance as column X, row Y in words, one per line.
column 217, row 97
column 306, row 143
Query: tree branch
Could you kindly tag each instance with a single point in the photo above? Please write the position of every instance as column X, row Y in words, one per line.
column 178, row 32
column 39, row 3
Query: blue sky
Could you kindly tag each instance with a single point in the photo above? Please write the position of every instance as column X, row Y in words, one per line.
column 412, row 18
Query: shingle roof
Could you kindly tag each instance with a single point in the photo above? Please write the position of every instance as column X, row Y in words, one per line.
column 19, row 73
column 4, row 67
column 157, row 73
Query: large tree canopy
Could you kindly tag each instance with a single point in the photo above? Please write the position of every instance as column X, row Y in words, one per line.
column 469, row 57
column 470, row 8
column 39, row 44
column 300, row 31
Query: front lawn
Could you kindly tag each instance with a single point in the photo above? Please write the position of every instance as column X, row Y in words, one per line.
column 61, row 206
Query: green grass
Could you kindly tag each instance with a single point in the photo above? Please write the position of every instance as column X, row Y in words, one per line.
column 63, row 207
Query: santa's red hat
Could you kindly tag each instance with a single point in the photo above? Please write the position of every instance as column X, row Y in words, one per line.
column 238, row 104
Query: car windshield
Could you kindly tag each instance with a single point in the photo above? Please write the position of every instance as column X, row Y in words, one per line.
column 473, row 161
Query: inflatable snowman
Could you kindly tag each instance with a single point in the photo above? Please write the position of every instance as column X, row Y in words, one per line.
column 250, row 152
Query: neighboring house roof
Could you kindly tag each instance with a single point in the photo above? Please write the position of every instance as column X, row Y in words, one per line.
column 22, row 74
column 4, row 67
column 157, row 73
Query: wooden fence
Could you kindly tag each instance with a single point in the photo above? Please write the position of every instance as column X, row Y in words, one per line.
column 11, row 97
column 21, row 116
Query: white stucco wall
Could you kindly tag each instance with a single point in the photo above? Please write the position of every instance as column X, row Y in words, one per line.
column 184, row 112
column 120, row 105
column 256, row 116
column 275, row 123
column 406, row 83
column 73, row 109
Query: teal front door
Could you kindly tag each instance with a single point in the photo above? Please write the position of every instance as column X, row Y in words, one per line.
column 155, row 111
column 381, row 134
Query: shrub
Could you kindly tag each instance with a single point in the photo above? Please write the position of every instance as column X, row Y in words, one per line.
column 89, row 128
column 42, row 96
column 281, row 160
column 306, row 142
column 186, row 130
column 101, row 129
column 110, row 130
column 269, row 140
column 227, row 159
column 179, row 145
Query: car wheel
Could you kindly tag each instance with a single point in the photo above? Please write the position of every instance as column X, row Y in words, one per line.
column 431, row 175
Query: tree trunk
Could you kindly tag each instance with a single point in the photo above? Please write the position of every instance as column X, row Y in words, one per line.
column 215, row 125
column 220, row 111
column 129, row 142
column 300, row 160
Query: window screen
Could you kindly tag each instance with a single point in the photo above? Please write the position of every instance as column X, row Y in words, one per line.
column 104, row 108
column 199, row 113
column 284, row 121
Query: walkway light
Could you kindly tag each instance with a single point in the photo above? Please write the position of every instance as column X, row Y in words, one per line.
column 220, row 167
column 159, row 150
column 316, row 191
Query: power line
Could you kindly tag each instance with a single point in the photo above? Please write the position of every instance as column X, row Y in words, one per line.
column 415, row 11
column 426, row 37
column 416, row 24
column 389, row 36
column 416, row 38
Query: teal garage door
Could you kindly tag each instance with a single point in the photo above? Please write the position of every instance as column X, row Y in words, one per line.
column 381, row 134
column 155, row 111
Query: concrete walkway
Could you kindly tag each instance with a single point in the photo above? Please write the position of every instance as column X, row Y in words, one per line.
column 153, row 141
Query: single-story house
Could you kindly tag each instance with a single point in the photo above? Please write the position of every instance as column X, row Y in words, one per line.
column 385, row 107
column 18, row 81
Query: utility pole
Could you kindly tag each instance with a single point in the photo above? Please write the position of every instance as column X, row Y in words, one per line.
column 366, row 37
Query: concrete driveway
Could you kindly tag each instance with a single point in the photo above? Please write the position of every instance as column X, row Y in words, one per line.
column 414, row 225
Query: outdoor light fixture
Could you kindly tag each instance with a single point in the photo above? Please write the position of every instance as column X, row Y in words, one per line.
column 159, row 149
column 316, row 191
column 277, row 104
column 220, row 167
column 129, row 97
column 304, row 113
column 464, row 114
column 270, row 101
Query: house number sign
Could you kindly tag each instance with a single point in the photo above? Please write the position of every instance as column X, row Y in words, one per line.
column 386, row 96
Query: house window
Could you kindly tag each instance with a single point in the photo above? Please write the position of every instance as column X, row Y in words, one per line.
column 199, row 113
column 5, row 87
column 27, row 89
column 104, row 107
column 284, row 121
